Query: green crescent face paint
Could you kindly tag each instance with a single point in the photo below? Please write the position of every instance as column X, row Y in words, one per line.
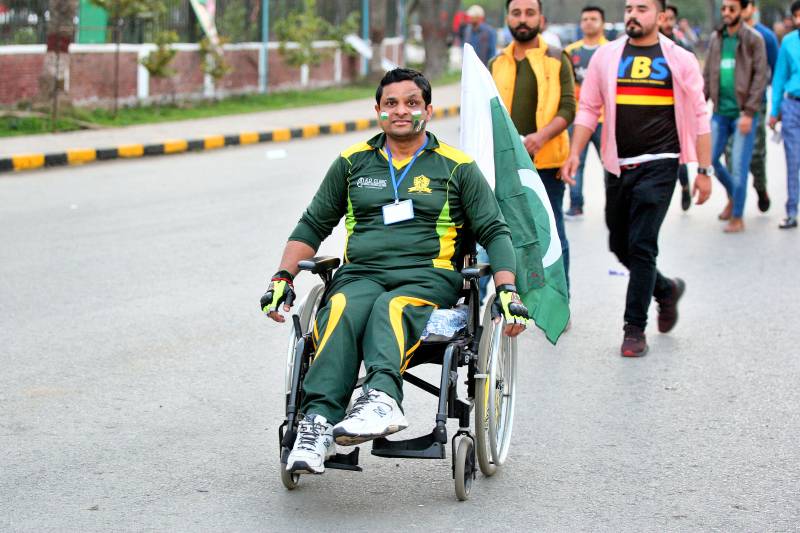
column 384, row 115
column 418, row 121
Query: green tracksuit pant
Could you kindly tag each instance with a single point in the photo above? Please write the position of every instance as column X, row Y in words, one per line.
column 376, row 316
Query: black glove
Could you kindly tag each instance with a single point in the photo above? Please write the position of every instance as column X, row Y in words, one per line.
column 281, row 289
column 508, row 305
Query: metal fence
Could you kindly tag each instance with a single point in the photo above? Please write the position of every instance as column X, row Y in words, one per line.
column 25, row 21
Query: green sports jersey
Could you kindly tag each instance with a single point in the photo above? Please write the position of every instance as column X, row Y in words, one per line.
column 449, row 194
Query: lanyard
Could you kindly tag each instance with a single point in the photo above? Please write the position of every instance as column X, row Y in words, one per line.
column 395, row 182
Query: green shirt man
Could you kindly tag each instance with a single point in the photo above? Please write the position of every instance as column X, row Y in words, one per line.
column 728, row 106
column 408, row 201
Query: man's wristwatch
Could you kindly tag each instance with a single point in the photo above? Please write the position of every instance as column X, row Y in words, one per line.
column 707, row 171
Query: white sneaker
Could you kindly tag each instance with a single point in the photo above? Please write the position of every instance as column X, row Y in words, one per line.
column 313, row 445
column 374, row 414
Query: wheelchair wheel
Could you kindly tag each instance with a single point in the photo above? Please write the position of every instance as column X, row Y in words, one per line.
column 494, row 393
column 306, row 310
column 464, row 468
column 289, row 480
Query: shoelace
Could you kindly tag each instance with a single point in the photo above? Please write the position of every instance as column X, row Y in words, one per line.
column 361, row 403
column 308, row 433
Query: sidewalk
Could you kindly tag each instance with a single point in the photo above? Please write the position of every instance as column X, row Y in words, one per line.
column 77, row 147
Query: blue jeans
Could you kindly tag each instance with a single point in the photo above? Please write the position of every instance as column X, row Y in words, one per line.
column 722, row 128
column 576, row 191
column 790, row 116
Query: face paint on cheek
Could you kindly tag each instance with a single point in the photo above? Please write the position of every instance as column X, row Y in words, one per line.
column 384, row 115
column 417, row 121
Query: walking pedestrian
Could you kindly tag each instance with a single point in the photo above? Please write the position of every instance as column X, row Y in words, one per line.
column 735, row 75
column 535, row 82
column 651, row 92
column 786, row 109
column 758, row 163
column 479, row 34
column 667, row 27
column 593, row 19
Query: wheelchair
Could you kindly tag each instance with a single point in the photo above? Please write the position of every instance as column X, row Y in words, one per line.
column 490, row 359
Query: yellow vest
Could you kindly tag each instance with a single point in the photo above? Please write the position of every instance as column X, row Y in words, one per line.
column 546, row 65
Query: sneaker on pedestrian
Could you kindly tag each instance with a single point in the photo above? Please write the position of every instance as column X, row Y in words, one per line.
column 634, row 343
column 574, row 212
column 313, row 445
column 374, row 414
column 788, row 223
column 763, row 201
column 686, row 198
column 668, row 307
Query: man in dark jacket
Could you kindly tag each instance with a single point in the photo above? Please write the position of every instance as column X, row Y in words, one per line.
column 736, row 74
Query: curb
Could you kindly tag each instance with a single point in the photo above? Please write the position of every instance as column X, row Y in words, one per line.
column 80, row 156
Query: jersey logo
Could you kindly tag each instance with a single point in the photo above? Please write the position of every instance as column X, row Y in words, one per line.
column 371, row 183
column 421, row 185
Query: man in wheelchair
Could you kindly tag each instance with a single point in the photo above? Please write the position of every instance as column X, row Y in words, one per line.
column 408, row 200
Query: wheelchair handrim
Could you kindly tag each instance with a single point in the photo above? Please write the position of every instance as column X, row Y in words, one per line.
column 501, row 387
column 314, row 295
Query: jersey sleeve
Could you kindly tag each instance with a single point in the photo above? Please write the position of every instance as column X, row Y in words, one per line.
column 484, row 217
column 326, row 208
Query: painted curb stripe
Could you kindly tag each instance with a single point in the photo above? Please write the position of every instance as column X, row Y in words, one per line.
column 86, row 155
column 131, row 150
column 30, row 161
column 77, row 157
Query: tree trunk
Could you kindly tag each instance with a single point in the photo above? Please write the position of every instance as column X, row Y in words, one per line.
column 62, row 16
column 118, row 41
column 377, row 32
column 436, row 17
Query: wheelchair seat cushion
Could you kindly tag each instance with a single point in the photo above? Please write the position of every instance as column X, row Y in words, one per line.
column 446, row 323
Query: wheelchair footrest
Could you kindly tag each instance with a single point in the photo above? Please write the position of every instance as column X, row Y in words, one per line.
column 424, row 447
column 344, row 461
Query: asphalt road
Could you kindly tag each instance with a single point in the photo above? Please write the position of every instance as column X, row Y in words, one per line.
column 141, row 388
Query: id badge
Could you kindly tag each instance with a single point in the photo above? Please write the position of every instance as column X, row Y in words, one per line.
column 398, row 212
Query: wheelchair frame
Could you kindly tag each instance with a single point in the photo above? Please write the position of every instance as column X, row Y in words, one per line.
column 490, row 360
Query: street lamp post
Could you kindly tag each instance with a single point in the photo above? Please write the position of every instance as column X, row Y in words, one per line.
column 364, row 33
column 263, row 59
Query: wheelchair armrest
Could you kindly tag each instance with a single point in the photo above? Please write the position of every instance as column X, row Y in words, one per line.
column 319, row 265
column 476, row 271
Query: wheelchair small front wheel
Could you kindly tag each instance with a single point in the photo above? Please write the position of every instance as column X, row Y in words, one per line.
column 464, row 468
column 289, row 480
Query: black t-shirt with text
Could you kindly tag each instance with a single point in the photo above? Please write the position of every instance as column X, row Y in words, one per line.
column 645, row 103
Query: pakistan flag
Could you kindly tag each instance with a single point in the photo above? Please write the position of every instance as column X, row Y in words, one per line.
column 489, row 135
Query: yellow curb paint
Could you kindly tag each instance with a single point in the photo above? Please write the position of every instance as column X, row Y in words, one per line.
column 76, row 157
column 281, row 135
column 250, row 137
column 213, row 141
column 438, row 113
column 338, row 127
column 362, row 124
column 178, row 145
column 27, row 161
column 454, row 110
column 310, row 130
column 130, row 150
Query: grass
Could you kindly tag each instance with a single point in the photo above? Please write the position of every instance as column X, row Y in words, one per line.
column 72, row 118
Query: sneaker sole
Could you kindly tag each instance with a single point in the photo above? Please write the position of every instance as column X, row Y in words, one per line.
column 302, row 467
column 634, row 354
column 351, row 439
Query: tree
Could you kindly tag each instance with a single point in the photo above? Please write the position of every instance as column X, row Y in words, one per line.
column 377, row 32
column 436, row 17
column 61, row 25
column 118, row 11
column 157, row 62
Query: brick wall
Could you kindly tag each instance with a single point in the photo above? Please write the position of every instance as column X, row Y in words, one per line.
column 90, row 72
column 19, row 77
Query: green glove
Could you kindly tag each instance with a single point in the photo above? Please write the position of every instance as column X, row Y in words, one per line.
column 508, row 304
column 281, row 289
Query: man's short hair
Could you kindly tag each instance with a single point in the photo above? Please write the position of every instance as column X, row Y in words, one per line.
column 597, row 9
column 674, row 9
column 508, row 3
column 795, row 7
column 661, row 5
column 403, row 74
column 744, row 3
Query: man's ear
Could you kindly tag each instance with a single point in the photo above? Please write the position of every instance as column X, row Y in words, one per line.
column 429, row 110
